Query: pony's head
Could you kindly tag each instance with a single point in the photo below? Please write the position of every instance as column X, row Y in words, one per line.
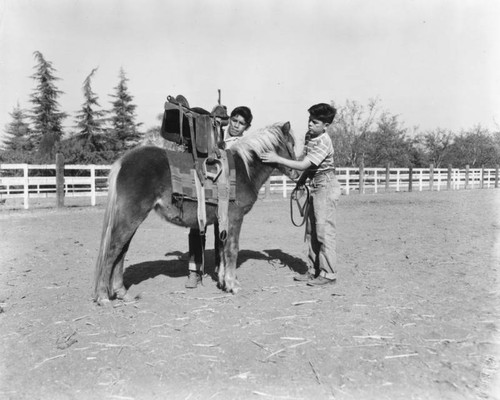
column 277, row 138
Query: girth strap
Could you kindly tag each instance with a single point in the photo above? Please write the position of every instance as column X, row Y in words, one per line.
column 202, row 213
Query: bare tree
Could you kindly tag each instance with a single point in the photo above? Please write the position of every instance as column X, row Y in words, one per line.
column 437, row 144
column 349, row 130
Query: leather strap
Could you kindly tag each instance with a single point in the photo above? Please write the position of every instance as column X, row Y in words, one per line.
column 197, row 166
column 181, row 119
column 202, row 213
column 223, row 188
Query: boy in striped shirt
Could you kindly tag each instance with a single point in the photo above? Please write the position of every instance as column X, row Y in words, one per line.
column 318, row 167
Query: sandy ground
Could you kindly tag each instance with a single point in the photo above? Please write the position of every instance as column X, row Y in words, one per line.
column 414, row 314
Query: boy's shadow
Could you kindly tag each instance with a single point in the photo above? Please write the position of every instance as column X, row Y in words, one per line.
column 294, row 263
column 177, row 265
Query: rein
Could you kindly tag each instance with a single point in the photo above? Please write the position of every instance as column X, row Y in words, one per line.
column 303, row 208
column 296, row 197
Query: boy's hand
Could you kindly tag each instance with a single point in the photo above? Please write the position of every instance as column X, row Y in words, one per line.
column 269, row 157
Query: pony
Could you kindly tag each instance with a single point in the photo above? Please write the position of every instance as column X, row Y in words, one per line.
column 140, row 181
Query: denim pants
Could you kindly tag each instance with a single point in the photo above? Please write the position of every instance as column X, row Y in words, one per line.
column 321, row 227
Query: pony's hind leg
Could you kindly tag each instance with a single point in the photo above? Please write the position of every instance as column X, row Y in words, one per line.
column 103, row 291
column 118, row 288
column 116, row 240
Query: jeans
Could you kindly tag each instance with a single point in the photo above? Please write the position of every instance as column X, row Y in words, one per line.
column 321, row 227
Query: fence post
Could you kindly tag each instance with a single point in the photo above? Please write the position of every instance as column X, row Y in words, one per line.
column 410, row 179
column 448, row 184
column 466, row 176
column 496, row 176
column 60, row 179
column 267, row 193
column 26, row 193
column 361, row 178
column 347, row 181
column 92, row 185
column 482, row 176
column 387, row 177
column 284, row 186
column 431, row 177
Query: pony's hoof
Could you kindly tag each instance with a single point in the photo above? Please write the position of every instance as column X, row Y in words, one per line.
column 103, row 302
column 233, row 287
column 121, row 294
column 126, row 297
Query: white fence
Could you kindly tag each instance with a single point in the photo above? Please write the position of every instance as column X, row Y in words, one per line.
column 375, row 180
column 35, row 181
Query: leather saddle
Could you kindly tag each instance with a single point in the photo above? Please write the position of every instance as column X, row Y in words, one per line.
column 196, row 128
column 200, row 132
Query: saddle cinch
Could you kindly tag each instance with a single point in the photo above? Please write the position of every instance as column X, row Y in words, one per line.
column 204, row 167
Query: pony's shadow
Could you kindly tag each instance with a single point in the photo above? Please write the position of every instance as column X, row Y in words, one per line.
column 175, row 267
column 178, row 267
column 137, row 273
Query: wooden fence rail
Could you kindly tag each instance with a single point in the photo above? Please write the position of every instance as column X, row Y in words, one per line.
column 35, row 181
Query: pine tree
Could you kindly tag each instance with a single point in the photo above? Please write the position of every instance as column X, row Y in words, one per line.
column 90, row 120
column 124, row 128
column 46, row 117
column 18, row 132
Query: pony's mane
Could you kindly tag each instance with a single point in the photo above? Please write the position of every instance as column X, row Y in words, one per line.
column 257, row 142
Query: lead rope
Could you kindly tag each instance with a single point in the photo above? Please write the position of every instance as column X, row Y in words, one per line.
column 303, row 208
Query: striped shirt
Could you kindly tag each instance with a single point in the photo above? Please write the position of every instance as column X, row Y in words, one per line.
column 319, row 151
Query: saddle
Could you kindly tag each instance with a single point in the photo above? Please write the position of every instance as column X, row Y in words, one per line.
column 200, row 133
column 196, row 128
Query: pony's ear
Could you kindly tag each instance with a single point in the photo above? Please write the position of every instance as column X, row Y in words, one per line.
column 286, row 127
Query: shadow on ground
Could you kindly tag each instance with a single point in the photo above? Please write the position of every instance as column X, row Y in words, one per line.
column 294, row 263
column 177, row 267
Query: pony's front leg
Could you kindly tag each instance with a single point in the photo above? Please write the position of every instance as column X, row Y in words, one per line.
column 227, row 271
column 218, row 249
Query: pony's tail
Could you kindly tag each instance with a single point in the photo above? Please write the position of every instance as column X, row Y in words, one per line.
column 109, row 220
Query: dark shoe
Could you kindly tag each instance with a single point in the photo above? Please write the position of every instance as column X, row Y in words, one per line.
column 307, row 277
column 193, row 279
column 321, row 281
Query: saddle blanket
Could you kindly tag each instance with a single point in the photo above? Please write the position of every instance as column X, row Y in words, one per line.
column 183, row 177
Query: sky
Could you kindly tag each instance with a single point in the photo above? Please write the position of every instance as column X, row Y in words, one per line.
column 434, row 63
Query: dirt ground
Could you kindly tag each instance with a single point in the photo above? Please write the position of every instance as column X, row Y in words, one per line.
column 414, row 314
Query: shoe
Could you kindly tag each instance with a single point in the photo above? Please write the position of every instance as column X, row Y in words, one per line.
column 307, row 277
column 193, row 279
column 321, row 281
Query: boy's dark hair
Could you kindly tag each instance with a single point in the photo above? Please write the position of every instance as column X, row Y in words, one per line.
column 323, row 112
column 245, row 112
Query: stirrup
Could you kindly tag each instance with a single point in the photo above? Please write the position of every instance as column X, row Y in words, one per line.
column 213, row 176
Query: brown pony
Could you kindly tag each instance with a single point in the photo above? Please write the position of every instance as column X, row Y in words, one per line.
column 141, row 181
